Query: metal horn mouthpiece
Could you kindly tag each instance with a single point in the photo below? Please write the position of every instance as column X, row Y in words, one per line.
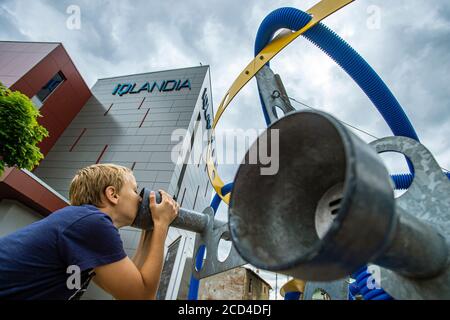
column 329, row 209
column 187, row 219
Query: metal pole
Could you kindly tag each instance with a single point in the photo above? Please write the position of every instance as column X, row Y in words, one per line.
column 187, row 219
column 276, row 286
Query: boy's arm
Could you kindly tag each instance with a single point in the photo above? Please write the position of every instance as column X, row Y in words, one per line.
column 142, row 249
column 124, row 279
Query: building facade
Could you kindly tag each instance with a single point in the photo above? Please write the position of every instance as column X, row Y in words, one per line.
column 236, row 284
column 45, row 73
column 145, row 122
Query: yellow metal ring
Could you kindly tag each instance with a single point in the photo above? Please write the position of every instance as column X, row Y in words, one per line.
column 318, row 12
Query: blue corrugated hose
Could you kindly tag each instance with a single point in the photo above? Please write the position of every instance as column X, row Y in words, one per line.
column 194, row 283
column 403, row 181
column 359, row 287
column 352, row 63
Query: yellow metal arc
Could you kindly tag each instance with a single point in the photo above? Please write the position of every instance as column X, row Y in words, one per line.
column 318, row 12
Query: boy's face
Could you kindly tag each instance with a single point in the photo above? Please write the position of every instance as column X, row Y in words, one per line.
column 129, row 200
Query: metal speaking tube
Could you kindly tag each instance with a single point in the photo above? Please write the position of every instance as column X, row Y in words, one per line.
column 329, row 209
column 187, row 219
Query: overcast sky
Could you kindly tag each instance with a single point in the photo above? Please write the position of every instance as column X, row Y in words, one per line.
column 406, row 41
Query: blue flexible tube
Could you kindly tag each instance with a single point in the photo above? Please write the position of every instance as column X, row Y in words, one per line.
column 403, row 181
column 383, row 297
column 359, row 287
column 353, row 289
column 194, row 283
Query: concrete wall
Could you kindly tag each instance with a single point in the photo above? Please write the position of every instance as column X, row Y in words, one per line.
column 234, row 284
column 227, row 285
column 259, row 289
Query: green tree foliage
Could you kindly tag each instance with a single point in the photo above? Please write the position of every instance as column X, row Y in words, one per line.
column 19, row 131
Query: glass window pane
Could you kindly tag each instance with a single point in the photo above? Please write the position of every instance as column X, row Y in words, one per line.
column 37, row 102
column 51, row 86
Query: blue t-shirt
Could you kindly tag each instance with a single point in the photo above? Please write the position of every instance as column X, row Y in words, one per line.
column 35, row 260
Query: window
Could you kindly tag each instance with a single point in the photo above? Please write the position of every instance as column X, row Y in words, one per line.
column 51, row 86
column 38, row 103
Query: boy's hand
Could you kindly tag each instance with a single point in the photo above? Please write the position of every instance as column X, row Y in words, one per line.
column 164, row 213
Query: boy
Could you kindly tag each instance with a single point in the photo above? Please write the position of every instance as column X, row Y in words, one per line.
column 41, row 261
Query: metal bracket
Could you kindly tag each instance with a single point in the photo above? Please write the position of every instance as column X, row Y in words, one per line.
column 210, row 237
column 273, row 93
column 428, row 199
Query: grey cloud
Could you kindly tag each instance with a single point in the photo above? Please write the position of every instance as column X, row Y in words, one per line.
column 8, row 26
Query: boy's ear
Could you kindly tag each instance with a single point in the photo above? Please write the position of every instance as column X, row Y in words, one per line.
column 111, row 195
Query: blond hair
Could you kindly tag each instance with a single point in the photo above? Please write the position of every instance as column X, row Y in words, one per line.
column 91, row 182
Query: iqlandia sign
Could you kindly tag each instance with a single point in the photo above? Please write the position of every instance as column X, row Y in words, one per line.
column 162, row 86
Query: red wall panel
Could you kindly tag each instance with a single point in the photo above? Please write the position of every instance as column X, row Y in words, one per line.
column 61, row 107
column 17, row 185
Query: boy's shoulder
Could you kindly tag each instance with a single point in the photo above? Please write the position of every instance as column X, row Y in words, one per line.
column 70, row 215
